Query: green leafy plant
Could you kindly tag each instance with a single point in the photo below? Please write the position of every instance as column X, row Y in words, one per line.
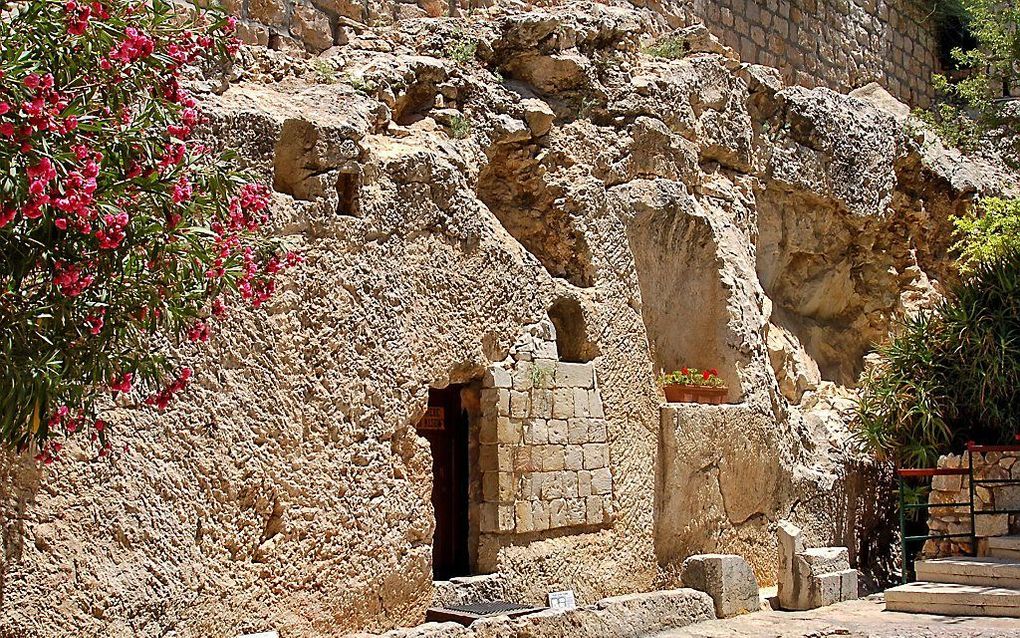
column 460, row 127
column 360, row 83
column 693, row 377
column 988, row 231
column 325, row 72
column 462, row 49
column 952, row 375
column 541, row 376
column 969, row 106
column 671, row 48
column 120, row 229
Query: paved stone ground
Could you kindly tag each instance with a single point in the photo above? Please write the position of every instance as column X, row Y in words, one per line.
column 865, row 618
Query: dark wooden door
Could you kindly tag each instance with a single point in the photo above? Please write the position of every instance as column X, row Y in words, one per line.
column 445, row 427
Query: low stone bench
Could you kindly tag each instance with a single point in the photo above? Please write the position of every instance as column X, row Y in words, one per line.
column 811, row 578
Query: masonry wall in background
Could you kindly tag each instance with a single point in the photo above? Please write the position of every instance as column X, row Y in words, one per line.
column 839, row 44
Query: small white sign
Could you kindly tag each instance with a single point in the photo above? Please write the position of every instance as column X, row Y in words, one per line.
column 562, row 600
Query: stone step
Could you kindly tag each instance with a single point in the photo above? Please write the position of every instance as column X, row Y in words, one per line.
column 1004, row 547
column 951, row 599
column 966, row 570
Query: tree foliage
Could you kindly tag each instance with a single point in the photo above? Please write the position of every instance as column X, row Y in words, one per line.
column 971, row 105
column 953, row 373
column 119, row 229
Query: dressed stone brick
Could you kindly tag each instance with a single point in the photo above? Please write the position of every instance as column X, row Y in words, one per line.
column 584, row 483
column 563, row 403
column 596, row 455
column 539, row 432
column 597, row 431
column 558, row 432
column 595, row 404
column 602, row 481
column 519, row 404
column 575, row 375
column 576, row 511
column 487, row 429
column 540, row 516
column 558, row 514
column 569, row 482
column 506, row 518
column 594, row 514
column 541, row 403
column 581, row 407
column 488, row 458
column 554, row 457
column 509, row 430
column 573, row 458
column 522, row 378
column 577, row 431
column 522, row 459
column 523, row 512
column 497, row 377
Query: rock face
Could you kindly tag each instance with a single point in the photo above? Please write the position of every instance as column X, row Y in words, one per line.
column 460, row 217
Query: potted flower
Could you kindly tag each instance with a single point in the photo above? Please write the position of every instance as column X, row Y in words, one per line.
column 690, row 385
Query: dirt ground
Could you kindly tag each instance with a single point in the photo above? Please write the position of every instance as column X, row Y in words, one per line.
column 864, row 618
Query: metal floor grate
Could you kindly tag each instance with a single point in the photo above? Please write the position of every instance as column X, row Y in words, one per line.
column 466, row 614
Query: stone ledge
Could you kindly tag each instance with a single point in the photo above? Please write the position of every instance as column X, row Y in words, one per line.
column 615, row 617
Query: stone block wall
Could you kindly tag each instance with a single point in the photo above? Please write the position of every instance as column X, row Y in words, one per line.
column 543, row 447
column 840, row 44
column 955, row 489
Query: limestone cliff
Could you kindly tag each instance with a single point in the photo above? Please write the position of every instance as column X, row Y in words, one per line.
column 640, row 213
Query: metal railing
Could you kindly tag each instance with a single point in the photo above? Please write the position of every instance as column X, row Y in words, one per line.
column 904, row 474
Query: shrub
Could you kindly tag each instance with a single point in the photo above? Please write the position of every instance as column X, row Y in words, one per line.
column 989, row 230
column 969, row 109
column 952, row 375
column 118, row 229
column 671, row 48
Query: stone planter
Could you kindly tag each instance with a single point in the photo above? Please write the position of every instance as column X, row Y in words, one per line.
column 694, row 394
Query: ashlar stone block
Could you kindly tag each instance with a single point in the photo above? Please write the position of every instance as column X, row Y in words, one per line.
column 581, row 407
column 541, row 403
column 520, row 404
column 558, row 432
column 584, row 483
column 596, row 455
column 727, row 578
column 577, row 431
column 575, row 375
column 509, row 430
column 563, row 403
column 573, row 458
column 602, row 481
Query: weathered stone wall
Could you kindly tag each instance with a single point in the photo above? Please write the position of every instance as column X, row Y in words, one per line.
column 544, row 454
column 956, row 489
column 840, row 44
column 446, row 208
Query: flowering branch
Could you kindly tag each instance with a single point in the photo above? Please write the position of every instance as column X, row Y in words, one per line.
column 117, row 228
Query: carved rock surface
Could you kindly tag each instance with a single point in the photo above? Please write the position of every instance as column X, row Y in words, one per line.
column 659, row 213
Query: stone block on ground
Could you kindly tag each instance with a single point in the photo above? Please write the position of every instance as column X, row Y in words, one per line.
column 727, row 578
